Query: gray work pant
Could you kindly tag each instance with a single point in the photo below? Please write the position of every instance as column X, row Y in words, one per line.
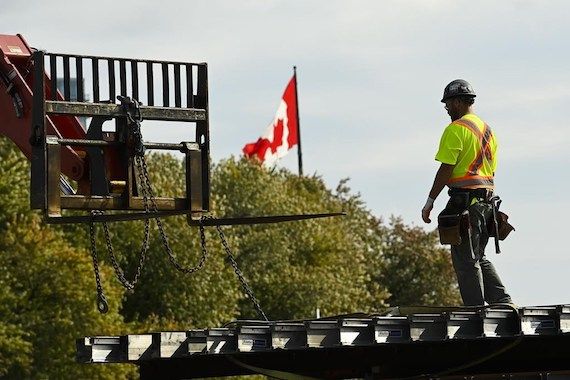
column 478, row 280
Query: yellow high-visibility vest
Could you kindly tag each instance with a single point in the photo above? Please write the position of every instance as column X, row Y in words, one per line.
column 470, row 145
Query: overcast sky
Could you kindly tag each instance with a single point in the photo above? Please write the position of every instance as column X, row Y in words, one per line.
column 371, row 75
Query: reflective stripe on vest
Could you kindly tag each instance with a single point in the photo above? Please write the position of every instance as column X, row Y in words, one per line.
column 484, row 152
column 471, row 179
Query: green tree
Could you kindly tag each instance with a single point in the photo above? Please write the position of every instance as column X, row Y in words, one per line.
column 417, row 270
column 47, row 289
column 297, row 267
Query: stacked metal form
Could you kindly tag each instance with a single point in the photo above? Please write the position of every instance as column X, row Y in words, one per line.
column 257, row 346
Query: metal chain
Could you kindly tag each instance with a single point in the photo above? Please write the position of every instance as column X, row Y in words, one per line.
column 120, row 273
column 129, row 285
column 148, row 194
column 102, row 304
column 239, row 274
column 146, row 185
column 148, row 201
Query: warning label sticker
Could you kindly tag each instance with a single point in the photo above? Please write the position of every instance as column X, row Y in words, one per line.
column 15, row 49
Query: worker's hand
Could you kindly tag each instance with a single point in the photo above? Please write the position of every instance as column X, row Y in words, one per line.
column 427, row 210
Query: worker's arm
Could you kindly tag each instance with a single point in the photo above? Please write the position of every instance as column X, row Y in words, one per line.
column 441, row 178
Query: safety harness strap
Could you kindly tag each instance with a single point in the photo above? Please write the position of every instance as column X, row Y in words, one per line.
column 485, row 150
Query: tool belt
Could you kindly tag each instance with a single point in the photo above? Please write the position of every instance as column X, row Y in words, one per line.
column 453, row 221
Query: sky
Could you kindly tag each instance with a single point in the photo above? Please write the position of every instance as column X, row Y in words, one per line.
column 370, row 78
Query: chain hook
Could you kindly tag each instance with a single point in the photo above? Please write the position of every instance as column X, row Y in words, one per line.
column 102, row 304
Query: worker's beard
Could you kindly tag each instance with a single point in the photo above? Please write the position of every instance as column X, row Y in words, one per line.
column 454, row 115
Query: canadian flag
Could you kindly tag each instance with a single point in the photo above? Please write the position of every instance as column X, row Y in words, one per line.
column 282, row 133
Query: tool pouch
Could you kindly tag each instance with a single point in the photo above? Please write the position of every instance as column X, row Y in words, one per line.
column 450, row 227
column 454, row 218
column 504, row 228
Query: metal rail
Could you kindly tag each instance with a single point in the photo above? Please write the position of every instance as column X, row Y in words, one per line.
column 114, row 110
column 106, row 71
column 452, row 341
column 102, row 143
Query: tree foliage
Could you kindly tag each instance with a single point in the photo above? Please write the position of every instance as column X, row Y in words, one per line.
column 296, row 267
column 46, row 291
column 417, row 270
column 339, row 265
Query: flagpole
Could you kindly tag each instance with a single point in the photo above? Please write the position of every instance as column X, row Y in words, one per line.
column 299, row 152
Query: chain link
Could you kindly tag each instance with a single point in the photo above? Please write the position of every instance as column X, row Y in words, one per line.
column 146, row 185
column 129, row 285
column 239, row 274
column 102, row 304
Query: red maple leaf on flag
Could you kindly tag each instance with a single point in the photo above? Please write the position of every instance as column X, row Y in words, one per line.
column 282, row 133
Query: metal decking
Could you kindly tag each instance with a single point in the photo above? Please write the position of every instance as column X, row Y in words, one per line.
column 424, row 341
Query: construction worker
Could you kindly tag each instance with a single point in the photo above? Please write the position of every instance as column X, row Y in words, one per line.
column 467, row 153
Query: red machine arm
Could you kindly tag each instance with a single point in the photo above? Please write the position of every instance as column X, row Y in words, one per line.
column 16, row 82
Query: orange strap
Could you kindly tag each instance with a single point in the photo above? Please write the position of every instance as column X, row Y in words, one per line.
column 485, row 141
